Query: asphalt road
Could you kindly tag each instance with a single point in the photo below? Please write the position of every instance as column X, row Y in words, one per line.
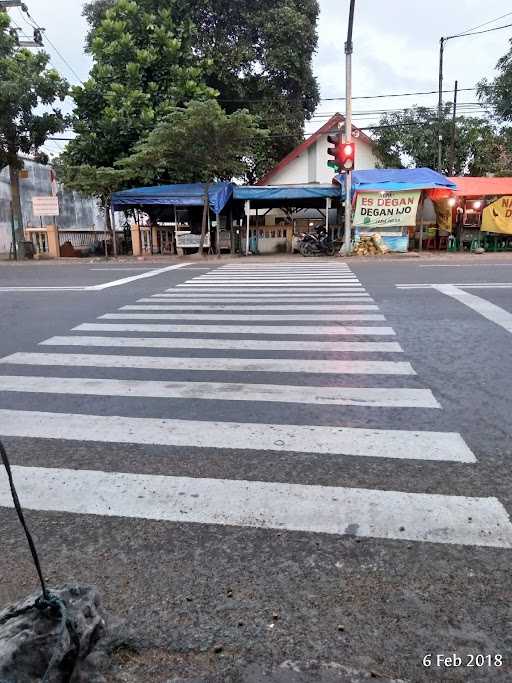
column 265, row 520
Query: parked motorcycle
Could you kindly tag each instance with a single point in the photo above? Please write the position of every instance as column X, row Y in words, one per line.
column 318, row 243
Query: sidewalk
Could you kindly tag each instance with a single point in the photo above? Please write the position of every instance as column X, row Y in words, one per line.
column 161, row 261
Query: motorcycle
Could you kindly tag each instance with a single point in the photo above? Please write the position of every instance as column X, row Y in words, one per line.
column 319, row 244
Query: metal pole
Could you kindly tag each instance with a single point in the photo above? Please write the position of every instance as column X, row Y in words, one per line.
column 113, row 226
column 248, row 214
column 454, row 129
column 348, row 128
column 440, row 108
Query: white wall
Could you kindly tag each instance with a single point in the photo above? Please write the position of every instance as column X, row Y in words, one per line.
column 311, row 165
column 75, row 211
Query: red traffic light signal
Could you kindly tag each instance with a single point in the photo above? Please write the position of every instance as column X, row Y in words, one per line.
column 347, row 157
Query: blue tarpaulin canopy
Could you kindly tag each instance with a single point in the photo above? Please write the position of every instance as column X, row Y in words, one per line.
column 219, row 195
column 396, row 179
column 292, row 195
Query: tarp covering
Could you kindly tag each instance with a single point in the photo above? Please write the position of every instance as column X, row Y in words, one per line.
column 482, row 187
column 287, row 193
column 396, row 179
column 219, row 195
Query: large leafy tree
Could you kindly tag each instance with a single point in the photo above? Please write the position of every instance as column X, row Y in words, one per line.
column 498, row 92
column 409, row 139
column 260, row 54
column 144, row 65
column 29, row 91
column 197, row 143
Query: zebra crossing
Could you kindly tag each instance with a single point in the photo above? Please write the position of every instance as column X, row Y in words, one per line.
column 244, row 320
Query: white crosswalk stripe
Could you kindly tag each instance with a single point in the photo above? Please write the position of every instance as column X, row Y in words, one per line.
column 372, row 443
column 155, row 305
column 312, row 330
column 218, row 343
column 315, row 509
column 282, row 292
column 355, row 367
column 341, row 396
column 219, row 317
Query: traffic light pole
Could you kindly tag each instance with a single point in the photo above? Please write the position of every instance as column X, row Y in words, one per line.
column 348, row 130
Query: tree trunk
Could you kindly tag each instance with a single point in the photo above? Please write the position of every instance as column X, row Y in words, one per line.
column 14, row 175
column 204, row 224
column 108, row 227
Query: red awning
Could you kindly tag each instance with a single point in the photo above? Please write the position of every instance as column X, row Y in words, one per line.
column 481, row 187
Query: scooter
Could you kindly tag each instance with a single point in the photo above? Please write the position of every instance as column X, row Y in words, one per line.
column 319, row 244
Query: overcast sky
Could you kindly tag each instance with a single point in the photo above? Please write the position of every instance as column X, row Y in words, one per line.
column 396, row 48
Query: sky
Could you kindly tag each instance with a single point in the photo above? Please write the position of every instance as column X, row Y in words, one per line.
column 396, row 49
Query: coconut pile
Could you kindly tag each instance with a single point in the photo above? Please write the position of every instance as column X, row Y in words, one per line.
column 370, row 245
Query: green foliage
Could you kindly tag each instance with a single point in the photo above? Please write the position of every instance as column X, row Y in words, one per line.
column 25, row 84
column 93, row 181
column 410, row 139
column 144, row 65
column 498, row 93
column 197, row 143
column 260, row 55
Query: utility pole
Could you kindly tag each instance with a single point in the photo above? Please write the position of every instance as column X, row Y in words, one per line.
column 440, row 107
column 349, row 48
column 454, row 129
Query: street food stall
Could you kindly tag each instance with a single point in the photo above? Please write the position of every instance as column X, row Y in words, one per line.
column 482, row 213
column 278, row 234
column 168, row 218
column 392, row 202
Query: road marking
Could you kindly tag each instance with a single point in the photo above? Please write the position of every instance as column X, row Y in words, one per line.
column 374, row 443
column 465, row 285
column 465, row 265
column 133, row 278
column 220, row 391
column 295, row 298
column 115, row 268
column 234, row 317
column 335, row 367
column 263, row 286
column 312, row 330
column 488, row 310
column 147, row 305
column 241, row 344
column 78, row 288
column 340, row 511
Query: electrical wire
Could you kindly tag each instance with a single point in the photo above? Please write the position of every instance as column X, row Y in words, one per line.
column 45, row 38
column 476, row 33
column 486, row 23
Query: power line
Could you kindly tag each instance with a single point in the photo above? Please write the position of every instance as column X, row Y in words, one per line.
column 486, row 23
column 477, row 33
column 34, row 24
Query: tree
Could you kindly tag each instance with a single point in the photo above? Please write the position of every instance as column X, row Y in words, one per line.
column 498, row 92
column 409, row 139
column 28, row 115
column 197, row 143
column 260, row 55
column 144, row 64
column 93, row 181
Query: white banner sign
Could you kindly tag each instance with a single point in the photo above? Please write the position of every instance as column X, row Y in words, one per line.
column 386, row 209
column 187, row 240
column 45, row 206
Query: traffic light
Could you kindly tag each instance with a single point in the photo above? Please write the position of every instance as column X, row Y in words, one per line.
column 347, row 156
column 344, row 153
column 334, row 151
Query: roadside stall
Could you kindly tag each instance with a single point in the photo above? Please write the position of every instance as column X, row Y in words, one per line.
column 267, row 231
column 393, row 203
column 482, row 213
column 168, row 218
